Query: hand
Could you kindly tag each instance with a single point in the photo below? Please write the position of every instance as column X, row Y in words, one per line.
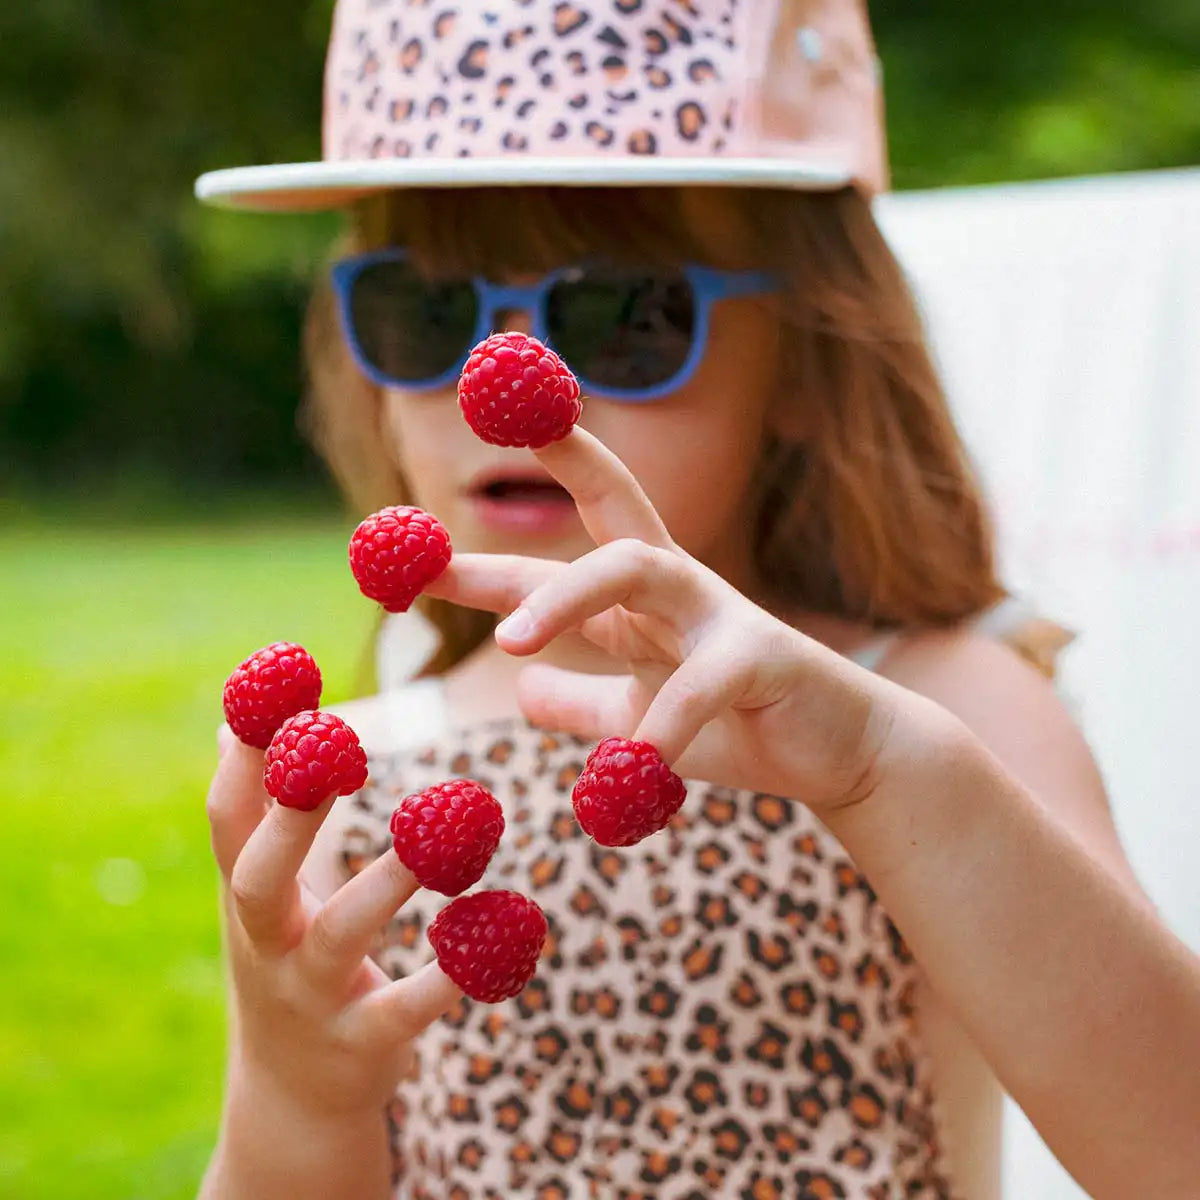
column 321, row 1030
column 724, row 691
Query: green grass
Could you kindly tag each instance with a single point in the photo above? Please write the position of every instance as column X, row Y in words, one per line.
column 115, row 638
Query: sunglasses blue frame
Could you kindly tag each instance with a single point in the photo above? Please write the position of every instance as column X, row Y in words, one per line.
column 708, row 285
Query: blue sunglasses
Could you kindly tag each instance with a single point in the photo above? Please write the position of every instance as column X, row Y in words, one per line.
column 629, row 335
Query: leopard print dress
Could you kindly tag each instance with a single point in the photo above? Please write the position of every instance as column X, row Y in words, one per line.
column 723, row 1010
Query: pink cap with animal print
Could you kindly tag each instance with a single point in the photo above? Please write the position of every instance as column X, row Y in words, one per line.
column 752, row 93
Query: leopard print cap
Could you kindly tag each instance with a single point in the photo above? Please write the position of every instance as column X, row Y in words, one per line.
column 619, row 78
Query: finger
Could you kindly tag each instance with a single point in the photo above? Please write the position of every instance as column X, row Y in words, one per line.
column 492, row 582
column 345, row 927
column 610, row 500
column 399, row 1011
column 647, row 579
column 265, row 883
column 703, row 687
column 589, row 706
column 237, row 799
column 599, row 706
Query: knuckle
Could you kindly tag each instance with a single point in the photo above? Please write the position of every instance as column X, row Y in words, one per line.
column 246, row 890
column 638, row 554
column 324, row 937
column 288, row 997
column 687, row 696
column 216, row 804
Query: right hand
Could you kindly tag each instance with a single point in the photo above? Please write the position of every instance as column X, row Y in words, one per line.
column 320, row 1028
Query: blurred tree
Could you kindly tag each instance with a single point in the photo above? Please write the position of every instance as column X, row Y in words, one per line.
column 141, row 332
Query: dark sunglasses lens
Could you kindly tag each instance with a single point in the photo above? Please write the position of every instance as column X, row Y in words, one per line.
column 408, row 328
column 622, row 331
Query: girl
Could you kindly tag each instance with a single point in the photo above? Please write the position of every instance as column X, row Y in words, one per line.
column 895, row 888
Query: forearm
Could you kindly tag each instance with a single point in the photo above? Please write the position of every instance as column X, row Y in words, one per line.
column 268, row 1149
column 1086, row 1007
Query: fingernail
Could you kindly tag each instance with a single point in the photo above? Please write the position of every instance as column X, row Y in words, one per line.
column 517, row 626
column 225, row 740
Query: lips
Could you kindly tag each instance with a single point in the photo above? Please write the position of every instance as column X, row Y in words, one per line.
column 524, row 491
column 523, row 500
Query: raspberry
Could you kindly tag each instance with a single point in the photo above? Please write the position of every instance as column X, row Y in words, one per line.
column 514, row 391
column 313, row 756
column 274, row 683
column 489, row 943
column 446, row 835
column 396, row 553
column 625, row 792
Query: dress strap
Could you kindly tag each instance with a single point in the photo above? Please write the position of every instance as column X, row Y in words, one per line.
column 1013, row 621
column 1036, row 638
column 876, row 650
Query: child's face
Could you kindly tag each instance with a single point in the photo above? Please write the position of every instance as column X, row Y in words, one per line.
column 693, row 451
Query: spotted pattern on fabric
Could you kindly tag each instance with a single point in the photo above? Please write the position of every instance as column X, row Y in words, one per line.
column 724, row 1009
column 649, row 80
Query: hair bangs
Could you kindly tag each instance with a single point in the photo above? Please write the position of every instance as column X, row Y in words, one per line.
column 509, row 232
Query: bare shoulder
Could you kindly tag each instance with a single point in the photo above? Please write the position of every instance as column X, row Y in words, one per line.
column 986, row 684
column 1018, row 715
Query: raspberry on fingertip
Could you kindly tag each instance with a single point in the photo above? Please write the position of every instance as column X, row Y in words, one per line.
column 313, row 756
column 489, row 943
column 274, row 683
column 515, row 391
column 396, row 553
column 626, row 792
column 447, row 834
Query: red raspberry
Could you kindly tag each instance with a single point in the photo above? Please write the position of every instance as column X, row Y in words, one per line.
column 446, row 835
column 489, row 943
column 396, row 553
column 314, row 755
column 516, row 392
column 274, row 683
column 625, row 792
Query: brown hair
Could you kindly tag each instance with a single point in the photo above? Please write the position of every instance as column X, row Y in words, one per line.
column 869, row 509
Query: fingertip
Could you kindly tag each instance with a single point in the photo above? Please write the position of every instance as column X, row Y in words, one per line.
column 574, row 437
column 410, row 1005
column 239, row 767
column 433, row 982
column 515, row 633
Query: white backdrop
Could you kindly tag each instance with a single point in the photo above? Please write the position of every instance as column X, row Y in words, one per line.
column 1066, row 320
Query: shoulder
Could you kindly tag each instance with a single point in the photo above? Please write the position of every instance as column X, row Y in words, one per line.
column 983, row 681
column 1016, row 712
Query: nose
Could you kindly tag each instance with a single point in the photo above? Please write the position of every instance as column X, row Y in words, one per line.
column 513, row 320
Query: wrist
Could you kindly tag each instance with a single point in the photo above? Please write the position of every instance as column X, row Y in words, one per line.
column 926, row 752
column 273, row 1145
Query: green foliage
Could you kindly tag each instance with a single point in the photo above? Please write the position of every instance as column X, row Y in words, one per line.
column 114, row 642
column 142, row 332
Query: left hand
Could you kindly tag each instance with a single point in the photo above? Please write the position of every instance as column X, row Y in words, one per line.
column 723, row 690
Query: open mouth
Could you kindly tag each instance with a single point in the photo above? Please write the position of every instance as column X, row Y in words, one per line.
column 524, row 491
column 524, row 502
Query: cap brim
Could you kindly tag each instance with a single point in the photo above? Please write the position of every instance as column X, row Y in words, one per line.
column 315, row 186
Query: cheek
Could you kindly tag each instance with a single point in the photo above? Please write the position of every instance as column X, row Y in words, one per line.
column 429, row 441
column 696, row 452
column 696, row 469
